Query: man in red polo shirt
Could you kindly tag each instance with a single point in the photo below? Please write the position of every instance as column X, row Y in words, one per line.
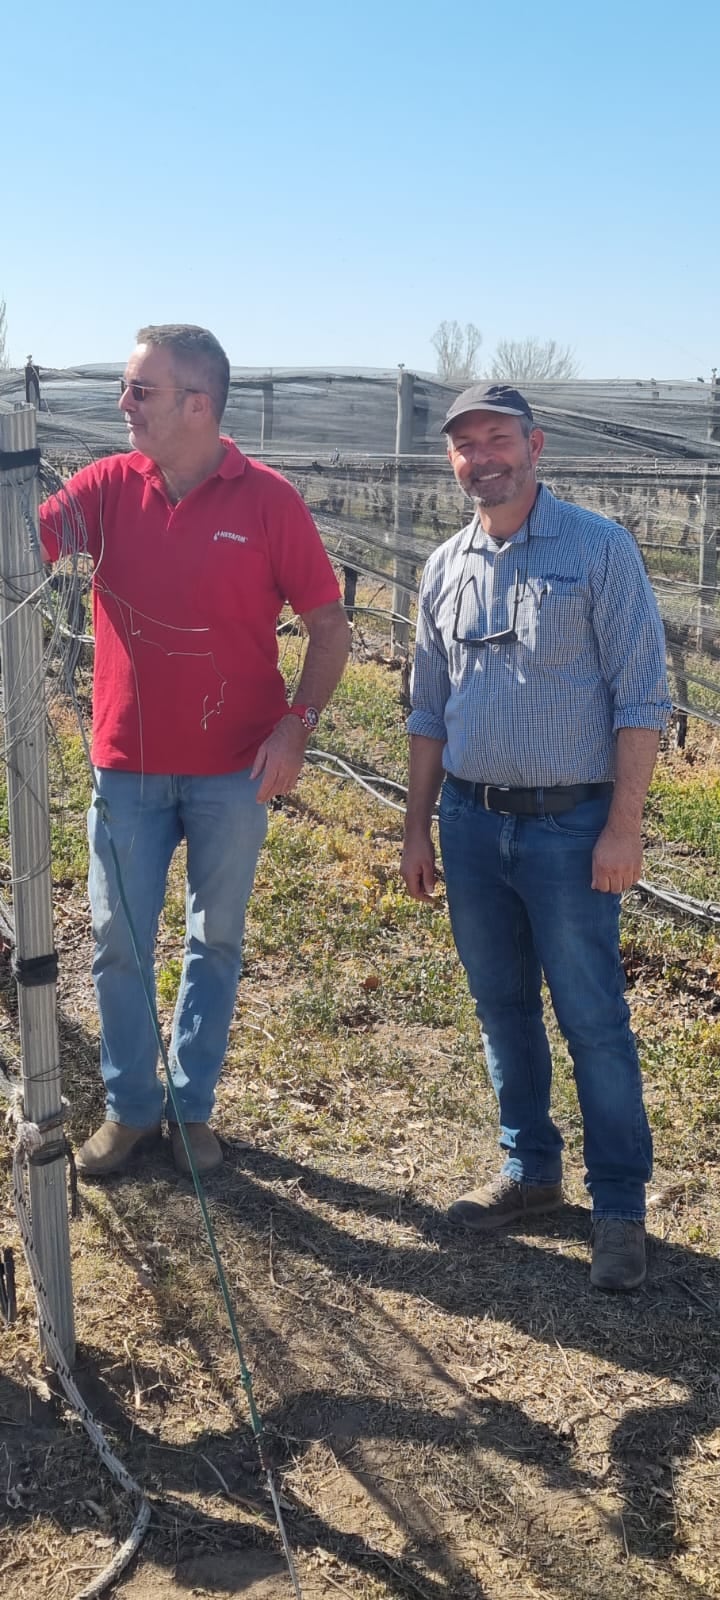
column 195, row 550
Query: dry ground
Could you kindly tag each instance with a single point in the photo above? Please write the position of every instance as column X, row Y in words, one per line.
column 450, row 1419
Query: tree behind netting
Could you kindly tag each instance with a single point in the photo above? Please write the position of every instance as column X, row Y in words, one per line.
column 525, row 360
column 4, row 360
column 457, row 350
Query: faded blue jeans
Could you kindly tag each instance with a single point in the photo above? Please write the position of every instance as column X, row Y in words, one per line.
column 521, row 904
column 147, row 816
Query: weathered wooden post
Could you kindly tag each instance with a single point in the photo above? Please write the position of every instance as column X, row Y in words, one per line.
column 709, row 523
column 350, row 579
column 268, row 408
column 709, row 531
column 21, row 643
column 403, row 519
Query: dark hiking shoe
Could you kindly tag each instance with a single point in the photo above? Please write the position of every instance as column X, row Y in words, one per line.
column 110, row 1149
column 618, row 1258
column 504, row 1200
column 206, row 1149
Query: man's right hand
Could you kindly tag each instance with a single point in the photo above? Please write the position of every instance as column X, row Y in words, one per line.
column 418, row 865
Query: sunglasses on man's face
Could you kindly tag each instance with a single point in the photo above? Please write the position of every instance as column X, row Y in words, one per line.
column 140, row 391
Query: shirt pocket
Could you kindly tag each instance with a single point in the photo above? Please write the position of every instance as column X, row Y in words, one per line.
column 553, row 620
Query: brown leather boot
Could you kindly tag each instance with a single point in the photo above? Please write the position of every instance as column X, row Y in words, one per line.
column 111, row 1147
column 504, row 1200
column 206, row 1149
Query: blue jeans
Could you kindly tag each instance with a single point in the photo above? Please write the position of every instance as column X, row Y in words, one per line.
column 521, row 904
column 147, row 816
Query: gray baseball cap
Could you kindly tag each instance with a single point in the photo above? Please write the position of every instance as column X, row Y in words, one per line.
column 488, row 397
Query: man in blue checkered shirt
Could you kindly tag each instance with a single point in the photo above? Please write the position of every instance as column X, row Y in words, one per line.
column 538, row 695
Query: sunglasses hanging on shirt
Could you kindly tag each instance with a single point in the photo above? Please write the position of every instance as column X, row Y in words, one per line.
column 504, row 635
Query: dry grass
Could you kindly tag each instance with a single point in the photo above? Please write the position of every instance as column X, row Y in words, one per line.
column 448, row 1418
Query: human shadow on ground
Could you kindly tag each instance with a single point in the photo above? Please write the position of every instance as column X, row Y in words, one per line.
column 35, row 1443
column 524, row 1280
column 667, row 1330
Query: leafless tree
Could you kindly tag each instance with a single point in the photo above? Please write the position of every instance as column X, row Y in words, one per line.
column 522, row 360
column 457, row 350
column 4, row 359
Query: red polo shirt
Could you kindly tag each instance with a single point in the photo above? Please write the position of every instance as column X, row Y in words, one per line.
column 185, row 605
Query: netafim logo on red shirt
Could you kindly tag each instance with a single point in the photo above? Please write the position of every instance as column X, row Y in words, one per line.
column 237, row 538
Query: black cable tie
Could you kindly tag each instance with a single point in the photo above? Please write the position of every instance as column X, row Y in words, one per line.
column 72, row 1179
column 47, row 1153
column 8, row 1302
column 9, row 1265
column 34, row 971
column 47, row 1124
column 18, row 458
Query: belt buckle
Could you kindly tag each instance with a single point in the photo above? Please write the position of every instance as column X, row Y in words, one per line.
column 499, row 788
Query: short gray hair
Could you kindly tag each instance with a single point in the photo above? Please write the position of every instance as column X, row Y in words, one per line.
column 197, row 349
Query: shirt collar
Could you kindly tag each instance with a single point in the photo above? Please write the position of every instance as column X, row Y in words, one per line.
column 233, row 463
column 547, row 514
column 544, row 520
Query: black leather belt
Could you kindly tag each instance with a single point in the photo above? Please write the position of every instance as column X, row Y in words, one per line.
column 529, row 802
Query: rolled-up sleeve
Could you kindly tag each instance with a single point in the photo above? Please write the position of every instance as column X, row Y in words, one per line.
column 631, row 637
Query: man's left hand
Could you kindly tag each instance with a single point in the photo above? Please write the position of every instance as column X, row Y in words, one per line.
column 280, row 758
column 617, row 860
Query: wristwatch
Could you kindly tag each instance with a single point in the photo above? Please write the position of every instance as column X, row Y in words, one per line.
column 309, row 716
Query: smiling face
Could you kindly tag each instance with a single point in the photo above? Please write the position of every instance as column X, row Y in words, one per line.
column 492, row 457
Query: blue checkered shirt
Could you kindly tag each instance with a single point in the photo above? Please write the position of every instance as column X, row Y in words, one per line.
column 589, row 656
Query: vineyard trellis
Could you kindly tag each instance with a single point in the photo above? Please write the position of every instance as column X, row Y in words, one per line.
column 365, row 450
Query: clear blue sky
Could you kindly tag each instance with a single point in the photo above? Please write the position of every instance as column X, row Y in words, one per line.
column 322, row 184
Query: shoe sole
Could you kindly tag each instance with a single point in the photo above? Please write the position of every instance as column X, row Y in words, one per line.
column 491, row 1224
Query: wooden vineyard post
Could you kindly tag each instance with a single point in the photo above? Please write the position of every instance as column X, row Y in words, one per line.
column 708, row 565
column 403, row 519
column 350, row 578
column 268, row 409
column 21, row 643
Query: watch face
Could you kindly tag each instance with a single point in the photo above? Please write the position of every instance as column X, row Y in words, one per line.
column 311, row 717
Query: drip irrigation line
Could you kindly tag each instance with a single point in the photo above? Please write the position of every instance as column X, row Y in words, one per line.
column 377, row 611
column 685, row 904
column 317, row 757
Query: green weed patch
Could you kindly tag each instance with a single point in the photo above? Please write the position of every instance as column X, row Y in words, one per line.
column 686, row 811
